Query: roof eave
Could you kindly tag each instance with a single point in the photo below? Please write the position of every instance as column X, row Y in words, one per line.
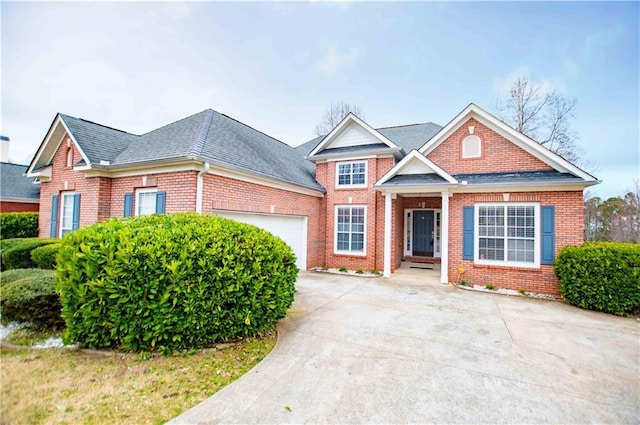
column 397, row 152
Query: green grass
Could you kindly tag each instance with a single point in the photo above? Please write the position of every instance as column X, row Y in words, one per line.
column 75, row 387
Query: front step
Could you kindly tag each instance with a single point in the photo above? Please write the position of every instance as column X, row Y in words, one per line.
column 425, row 266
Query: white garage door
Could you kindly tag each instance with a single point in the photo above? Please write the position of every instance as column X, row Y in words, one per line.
column 291, row 229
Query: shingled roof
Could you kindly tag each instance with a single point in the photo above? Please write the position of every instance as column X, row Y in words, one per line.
column 408, row 137
column 15, row 185
column 208, row 136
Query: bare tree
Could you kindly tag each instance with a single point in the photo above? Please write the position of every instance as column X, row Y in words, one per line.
column 334, row 114
column 543, row 115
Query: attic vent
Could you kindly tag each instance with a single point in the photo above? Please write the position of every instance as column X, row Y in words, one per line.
column 103, row 162
column 471, row 147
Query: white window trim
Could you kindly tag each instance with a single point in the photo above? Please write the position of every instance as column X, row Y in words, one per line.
column 352, row 186
column 335, row 231
column 138, row 193
column 465, row 154
column 63, row 195
column 536, row 242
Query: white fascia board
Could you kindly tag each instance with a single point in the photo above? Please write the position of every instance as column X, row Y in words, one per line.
column 416, row 155
column 416, row 189
column 382, row 153
column 21, row 200
column 43, row 145
column 345, row 122
column 527, row 144
column 73, row 139
column 524, row 187
column 43, row 174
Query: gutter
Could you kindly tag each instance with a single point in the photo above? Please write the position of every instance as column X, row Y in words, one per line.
column 199, row 186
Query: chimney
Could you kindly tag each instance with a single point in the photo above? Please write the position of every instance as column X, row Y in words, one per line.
column 4, row 149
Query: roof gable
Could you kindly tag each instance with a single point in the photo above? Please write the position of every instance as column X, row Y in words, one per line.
column 15, row 185
column 509, row 133
column 416, row 164
column 350, row 132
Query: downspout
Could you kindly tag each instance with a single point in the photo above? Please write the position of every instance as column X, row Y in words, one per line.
column 199, row 186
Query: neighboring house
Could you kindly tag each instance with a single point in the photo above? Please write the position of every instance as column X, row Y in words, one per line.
column 18, row 193
column 474, row 193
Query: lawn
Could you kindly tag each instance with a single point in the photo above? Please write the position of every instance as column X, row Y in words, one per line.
column 72, row 386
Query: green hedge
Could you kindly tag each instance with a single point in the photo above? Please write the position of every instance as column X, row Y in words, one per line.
column 601, row 276
column 164, row 282
column 45, row 256
column 29, row 296
column 17, row 255
column 18, row 225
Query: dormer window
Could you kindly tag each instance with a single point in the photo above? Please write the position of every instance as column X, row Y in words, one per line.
column 471, row 147
column 351, row 174
column 69, row 157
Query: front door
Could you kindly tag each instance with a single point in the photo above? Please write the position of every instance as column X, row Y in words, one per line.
column 423, row 233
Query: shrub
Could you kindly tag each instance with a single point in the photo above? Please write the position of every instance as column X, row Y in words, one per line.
column 18, row 255
column 30, row 299
column 45, row 256
column 18, row 225
column 164, row 282
column 601, row 276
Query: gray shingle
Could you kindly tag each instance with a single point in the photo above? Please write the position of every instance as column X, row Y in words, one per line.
column 543, row 176
column 415, row 179
column 98, row 142
column 14, row 184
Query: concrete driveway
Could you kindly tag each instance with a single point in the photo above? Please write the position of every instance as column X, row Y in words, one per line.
column 355, row 350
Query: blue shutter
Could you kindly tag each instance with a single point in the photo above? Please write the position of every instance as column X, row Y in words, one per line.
column 54, row 216
column 467, row 233
column 76, row 212
column 128, row 204
column 548, row 242
column 161, row 198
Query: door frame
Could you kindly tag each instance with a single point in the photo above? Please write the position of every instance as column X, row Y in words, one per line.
column 408, row 231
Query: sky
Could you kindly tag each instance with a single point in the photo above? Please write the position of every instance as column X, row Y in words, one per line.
column 137, row 66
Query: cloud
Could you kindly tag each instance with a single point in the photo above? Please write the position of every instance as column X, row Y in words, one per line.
column 334, row 61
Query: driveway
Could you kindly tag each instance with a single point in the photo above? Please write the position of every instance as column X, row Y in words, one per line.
column 355, row 350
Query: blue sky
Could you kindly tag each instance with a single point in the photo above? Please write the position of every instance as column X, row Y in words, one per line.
column 277, row 66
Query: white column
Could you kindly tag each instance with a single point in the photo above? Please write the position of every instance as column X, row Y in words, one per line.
column 387, row 235
column 444, row 234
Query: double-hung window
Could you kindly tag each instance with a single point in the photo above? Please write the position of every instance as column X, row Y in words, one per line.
column 146, row 201
column 350, row 230
column 351, row 174
column 67, row 212
column 508, row 234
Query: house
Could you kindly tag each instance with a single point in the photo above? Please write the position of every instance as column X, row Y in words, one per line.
column 473, row 195
column 18, row 193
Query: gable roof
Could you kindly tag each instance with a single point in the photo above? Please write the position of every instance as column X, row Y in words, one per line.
column 207, row 136
column 527, row 144
column 408, row 137
column 349, row 119
column 15, row 185
column 416, row 164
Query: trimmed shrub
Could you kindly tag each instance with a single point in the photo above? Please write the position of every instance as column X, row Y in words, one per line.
column 171, row 281
column 30, row 299
column 601, row 276
column 18, row 225
column 18, row 255
column 45, row 256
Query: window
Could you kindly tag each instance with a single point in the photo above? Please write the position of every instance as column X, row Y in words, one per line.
column 69, row 157
column 508, row 233
column 471, row 147
column 352, row 174
column 146, row 201
column 68, row 213
column 350, row 230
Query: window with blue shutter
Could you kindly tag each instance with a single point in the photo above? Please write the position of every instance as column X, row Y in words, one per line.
column 467, row 233
column 128, row 204
column 161, row 198
column 76, row 212
column 548, row 239
column 53, row 232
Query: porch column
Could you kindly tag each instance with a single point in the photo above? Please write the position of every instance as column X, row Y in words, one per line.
column 387, row 235
column 444, row 244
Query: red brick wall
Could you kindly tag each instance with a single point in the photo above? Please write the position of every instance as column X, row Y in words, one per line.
column 223, row 193
column 65, row 180
column 498, row 154
column 369, row 197
column 10, row 206
column 568, row 231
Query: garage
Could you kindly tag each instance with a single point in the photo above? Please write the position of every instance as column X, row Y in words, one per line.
column 291, row 229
